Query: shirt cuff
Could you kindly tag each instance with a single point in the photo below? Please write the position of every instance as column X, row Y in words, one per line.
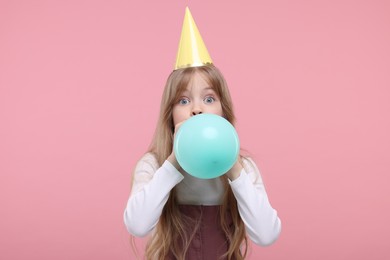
column 172, row 171
column 240, row 179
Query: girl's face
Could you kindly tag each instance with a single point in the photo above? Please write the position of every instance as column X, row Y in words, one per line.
column 199, row 97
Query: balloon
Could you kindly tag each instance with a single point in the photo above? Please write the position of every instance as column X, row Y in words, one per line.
column 206, row 146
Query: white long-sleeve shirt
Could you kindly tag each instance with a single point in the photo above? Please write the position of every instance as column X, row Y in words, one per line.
column 152, row 184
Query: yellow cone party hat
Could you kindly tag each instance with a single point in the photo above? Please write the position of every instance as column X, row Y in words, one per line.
column 192, row 51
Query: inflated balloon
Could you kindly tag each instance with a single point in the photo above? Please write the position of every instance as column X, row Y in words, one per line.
column 206, row 146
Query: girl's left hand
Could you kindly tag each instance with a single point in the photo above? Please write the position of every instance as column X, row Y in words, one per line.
column 235, row 171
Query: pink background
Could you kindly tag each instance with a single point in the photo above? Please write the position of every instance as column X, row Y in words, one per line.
column 80, row 87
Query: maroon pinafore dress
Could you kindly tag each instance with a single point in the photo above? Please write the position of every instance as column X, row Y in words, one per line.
column 209, row 241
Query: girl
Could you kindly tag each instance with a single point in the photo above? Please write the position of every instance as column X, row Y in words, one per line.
column 191, row 218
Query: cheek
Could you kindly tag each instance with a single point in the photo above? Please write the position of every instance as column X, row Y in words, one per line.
column 218, row 110
column 174, row 116
column 178, row 115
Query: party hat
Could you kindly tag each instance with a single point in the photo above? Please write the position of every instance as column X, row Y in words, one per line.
column 192, row 51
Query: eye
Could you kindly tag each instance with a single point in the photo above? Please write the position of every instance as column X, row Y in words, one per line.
column 184, row 101
column 209, row 100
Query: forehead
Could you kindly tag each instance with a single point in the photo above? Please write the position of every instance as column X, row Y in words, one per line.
column 198, row 83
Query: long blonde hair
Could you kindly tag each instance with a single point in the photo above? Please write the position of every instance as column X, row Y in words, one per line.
column 169, row 236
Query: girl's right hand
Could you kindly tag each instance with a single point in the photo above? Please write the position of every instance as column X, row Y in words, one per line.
column 172, row 158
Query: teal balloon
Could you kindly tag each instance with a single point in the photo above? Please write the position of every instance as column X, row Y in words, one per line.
column 206, row 146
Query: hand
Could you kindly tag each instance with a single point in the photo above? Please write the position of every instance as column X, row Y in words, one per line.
column 172, row 158
column 235, row 171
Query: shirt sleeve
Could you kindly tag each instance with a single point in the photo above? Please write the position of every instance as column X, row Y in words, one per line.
column 150, row 191
column 261, row 220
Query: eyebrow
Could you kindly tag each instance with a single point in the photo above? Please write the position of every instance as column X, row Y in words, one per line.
column 208, row 88
column 203, row 90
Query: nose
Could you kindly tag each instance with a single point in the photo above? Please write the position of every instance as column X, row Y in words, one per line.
column 196, row 110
